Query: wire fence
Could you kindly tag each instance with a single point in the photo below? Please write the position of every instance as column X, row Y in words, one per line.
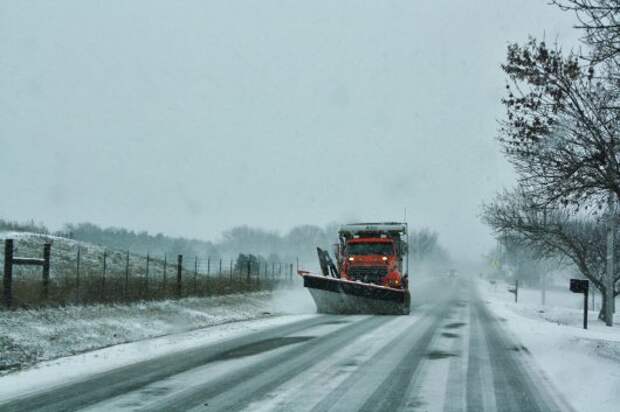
column 80, row 274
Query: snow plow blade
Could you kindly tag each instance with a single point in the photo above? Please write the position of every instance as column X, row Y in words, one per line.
column 339, row 296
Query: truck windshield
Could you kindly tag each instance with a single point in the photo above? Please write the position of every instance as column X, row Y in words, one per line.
column 360, row 249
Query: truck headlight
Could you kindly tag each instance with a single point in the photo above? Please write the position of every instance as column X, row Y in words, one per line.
column 394, row 283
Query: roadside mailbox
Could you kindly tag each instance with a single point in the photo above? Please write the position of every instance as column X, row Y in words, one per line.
column 582, row 286
column 578, row 285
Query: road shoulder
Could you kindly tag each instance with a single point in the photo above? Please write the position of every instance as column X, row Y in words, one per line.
column 583, row 365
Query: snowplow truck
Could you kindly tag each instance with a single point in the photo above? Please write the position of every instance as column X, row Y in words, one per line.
column 370, row 274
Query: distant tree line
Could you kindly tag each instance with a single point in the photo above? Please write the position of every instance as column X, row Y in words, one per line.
column 424, row 247
column 301, row 241
column 139, row 242
column 30, row 226
column 259, row 246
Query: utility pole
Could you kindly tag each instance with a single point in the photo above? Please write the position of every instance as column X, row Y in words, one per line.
column 609, row 279
column 543, row 295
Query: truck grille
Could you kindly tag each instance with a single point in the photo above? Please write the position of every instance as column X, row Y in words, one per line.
column 370, row 274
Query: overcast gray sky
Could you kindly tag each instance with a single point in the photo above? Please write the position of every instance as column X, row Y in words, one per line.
column 189, row 117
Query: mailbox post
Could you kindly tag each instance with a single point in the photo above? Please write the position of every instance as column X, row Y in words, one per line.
column 582, row 286
column 515, row 290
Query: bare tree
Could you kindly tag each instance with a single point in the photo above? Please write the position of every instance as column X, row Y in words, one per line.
column 561, row 126
column 599, row 19
column 553, row 233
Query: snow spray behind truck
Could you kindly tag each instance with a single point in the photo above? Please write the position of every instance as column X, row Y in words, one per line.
column 370, row 274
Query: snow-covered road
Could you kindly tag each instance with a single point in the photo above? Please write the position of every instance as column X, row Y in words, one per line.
column 450, row 354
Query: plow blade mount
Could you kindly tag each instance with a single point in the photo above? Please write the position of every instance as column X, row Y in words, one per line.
column 340, row 296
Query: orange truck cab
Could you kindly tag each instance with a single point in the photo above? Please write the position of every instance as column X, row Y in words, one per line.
column 373, row 253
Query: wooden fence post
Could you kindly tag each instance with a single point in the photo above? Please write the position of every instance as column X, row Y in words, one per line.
column 146, row 275
column 179, row 275
column 257, row 272
column 105, row 258
column 47, row 251
column 10, row 260
column 8, row 272
column 77, row 274
column 195, row 274
column 164, row 270
column 127, row 276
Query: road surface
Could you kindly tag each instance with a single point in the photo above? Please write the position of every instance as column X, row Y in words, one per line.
column 451, row 354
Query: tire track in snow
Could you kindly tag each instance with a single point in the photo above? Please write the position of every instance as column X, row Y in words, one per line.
column 455, row 399
column 393, row 368
column 514, row 386
column 438, row 383
column 238, row 389
column 305, row 390
column 351, row 377
column 480, row 390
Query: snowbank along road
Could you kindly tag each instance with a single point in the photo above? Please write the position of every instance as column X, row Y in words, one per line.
column 451, row 354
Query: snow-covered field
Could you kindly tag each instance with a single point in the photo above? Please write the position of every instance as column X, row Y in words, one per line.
column 31, row 336
column 583, row 364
